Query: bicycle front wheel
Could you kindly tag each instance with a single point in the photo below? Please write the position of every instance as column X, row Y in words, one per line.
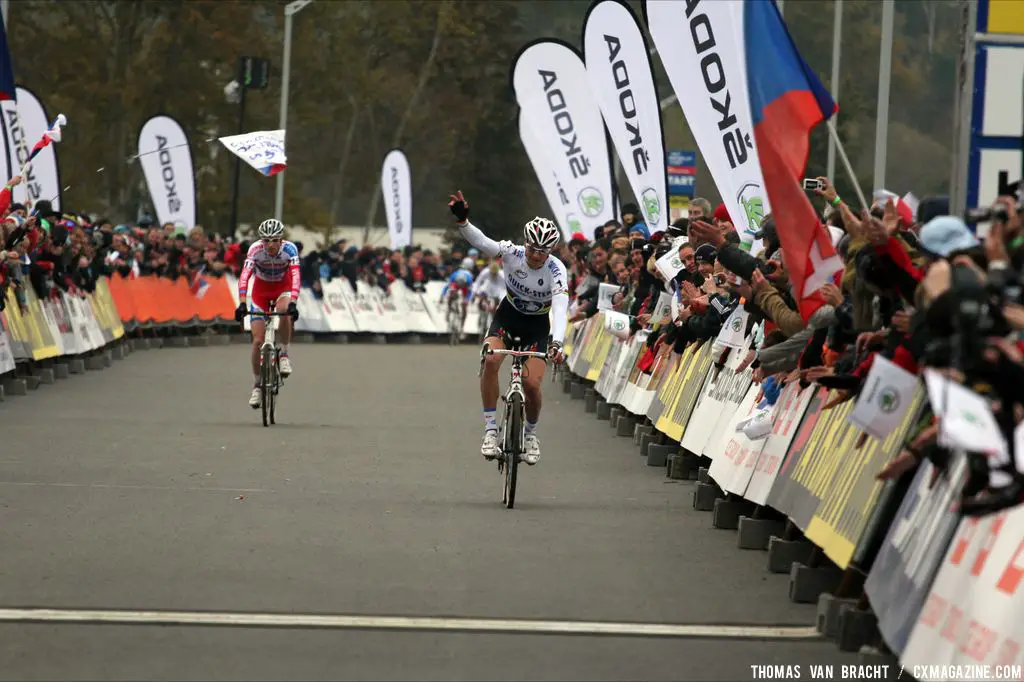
column 514, row 438
column 266, row 385
column 275, row 376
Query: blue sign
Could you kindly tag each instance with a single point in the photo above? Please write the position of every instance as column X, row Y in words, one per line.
column 682, row 173
column 994, row 158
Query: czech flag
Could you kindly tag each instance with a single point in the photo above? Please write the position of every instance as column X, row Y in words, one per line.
column 786, row 101
column 198, row 286
column 51, row 135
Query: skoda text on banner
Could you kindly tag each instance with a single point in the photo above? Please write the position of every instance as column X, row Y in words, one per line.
column 622, row 78
column 166, row 158
column 564, row 213
column 700, row 44
column 553, row 92
column 262, row 150
column 42, row 181
column 17, row 151
column 396, row 184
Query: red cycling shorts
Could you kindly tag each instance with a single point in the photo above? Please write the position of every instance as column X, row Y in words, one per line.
column 264, row 294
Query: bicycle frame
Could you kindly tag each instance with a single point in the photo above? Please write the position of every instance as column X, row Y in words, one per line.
column 270, row 354
column 515, row 384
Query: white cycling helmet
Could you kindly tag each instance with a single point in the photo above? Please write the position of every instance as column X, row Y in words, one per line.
column 270, row 228
column 541, row 233
column 468, row 263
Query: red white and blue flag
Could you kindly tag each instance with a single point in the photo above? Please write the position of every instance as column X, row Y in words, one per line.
column 52, row 134
column 786, row 102
column 198, row 285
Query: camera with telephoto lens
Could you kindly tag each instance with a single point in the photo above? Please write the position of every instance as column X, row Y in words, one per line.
column 975, row 314
column 767, row 268
column 997, row 213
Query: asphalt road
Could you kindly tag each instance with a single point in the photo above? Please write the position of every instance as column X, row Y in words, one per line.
column 152, row 486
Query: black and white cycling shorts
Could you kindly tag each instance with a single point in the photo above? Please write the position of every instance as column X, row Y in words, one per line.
column 532, row 330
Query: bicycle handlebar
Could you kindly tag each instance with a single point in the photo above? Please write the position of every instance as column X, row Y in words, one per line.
column 274, row 314
column 519, row 353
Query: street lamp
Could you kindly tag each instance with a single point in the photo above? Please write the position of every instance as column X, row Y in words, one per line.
column 290, row 10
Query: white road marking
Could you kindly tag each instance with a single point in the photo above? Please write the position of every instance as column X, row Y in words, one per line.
column 339, row 622
column 117, row 486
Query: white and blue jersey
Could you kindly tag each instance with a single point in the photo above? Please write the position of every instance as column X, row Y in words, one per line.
column 463, row 281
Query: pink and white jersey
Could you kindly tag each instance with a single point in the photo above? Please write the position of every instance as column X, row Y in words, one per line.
column 259, row 263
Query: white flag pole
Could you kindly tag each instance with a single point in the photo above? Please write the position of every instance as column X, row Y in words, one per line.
column 846, row 164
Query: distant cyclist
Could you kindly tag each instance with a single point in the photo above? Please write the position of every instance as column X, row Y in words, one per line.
column 460, row 284
column 489, row 287
column 535, row 286
column 274, row 265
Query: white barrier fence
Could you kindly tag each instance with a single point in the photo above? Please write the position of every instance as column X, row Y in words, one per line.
column 370, row 309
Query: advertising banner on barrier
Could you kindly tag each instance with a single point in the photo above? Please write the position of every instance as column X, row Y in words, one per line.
column 701, row 47
column 396, row 186
column 909, row 558
column 621, row 76
column 788, row 495
column 972, row 614
column 718, row 402
column 557, row 103
column 786, row 420
column 166, row 158
column 42, row 181
column 690, row 385
column 630, row 353
column 668, row 381
column 6, row 353
column 732, row 459
column 44, row 345
column 600, row 349
column 843, row 477
column 607, row 375
column 17, row 332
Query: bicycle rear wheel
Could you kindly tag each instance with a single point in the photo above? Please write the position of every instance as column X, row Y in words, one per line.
column 266, row 387
column 275, row 376
column 514, row 438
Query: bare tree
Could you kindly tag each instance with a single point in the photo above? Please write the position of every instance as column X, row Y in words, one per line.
column 425, row 72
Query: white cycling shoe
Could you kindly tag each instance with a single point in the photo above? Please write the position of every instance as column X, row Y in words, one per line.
column 255, row 398
column 285, row 365
column 489, row 448
column 532, row 446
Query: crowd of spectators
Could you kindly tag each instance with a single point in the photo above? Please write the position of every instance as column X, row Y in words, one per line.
column 54, row 251
column 918, row 287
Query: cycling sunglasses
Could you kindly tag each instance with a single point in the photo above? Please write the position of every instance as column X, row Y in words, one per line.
column 534, row 249
column 271, row 240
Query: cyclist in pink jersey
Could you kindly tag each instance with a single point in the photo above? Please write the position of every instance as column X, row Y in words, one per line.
column 273, row 264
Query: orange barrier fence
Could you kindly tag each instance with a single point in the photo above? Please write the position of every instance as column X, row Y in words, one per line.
column 155, row 301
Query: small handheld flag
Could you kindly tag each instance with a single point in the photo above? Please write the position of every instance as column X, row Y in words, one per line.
column 263, row 150
column 53, row 134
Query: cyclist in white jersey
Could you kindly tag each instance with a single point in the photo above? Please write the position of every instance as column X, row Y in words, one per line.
column 536, row 285
column 490, row 284
column 273, row 264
